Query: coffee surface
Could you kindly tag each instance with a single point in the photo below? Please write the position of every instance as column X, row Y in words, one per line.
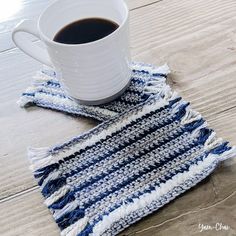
column 85, row 31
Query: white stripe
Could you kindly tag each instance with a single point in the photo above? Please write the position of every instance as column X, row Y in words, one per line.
column 69, row 104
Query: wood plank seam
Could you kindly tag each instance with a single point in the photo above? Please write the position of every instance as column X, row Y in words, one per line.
column 23, row 192
column 146, row 5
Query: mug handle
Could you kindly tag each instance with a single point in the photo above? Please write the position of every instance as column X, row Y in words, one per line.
column 26, row 45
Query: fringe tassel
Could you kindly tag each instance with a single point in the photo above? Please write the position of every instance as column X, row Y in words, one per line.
column 48, row 71
column 190, row 116
column 150, row 68
column 157, row 86
column 39, row 157
column 53, row 185
column 228, row 155
column 43, row 77
column 37, row 153
column 76, row 228
column 70, row 207
column 57, row 195
column 194, row 123
column 212, row 142
column 67, row 198
column 161, row 70
column 28, row 97
column 52, row 176
column 25, row 101
column 38, row 80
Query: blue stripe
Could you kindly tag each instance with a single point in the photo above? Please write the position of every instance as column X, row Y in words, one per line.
column 28, row 94
column 147, row 72
column 53, row 83
column 107, row 123
column 140, row 174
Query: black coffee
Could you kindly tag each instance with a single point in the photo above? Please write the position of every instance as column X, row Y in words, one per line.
column 85, row 31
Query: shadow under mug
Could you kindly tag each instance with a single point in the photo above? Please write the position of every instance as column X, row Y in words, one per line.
column 92, row 73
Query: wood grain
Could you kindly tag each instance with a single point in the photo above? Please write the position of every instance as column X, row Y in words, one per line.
column 198, row 40
column 26, row 215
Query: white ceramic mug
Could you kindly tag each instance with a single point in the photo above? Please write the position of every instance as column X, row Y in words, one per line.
column 93, row 73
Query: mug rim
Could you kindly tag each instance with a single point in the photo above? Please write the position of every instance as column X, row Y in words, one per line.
column 47, row 39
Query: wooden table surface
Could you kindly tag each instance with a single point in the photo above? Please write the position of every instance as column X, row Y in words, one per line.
column 197, row 38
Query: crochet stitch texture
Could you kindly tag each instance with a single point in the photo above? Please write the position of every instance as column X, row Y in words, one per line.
column 47, row 92
column 151, row 148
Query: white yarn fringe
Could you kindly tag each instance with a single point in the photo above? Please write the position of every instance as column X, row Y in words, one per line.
column 39, row 157
column 52, row 176
column 24, row 101
column 151, row 69
column 161, row 70
column 228, row 154
column 76, row 228
column 57, row 195
column 38, row 79
column 190, row 116
column 212, row 142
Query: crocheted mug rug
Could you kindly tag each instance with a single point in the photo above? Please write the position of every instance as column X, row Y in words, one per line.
column 47, row 92
column 129, row 166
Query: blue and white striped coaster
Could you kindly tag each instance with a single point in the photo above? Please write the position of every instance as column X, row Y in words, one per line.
column 47, row 92
column 127, row 167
